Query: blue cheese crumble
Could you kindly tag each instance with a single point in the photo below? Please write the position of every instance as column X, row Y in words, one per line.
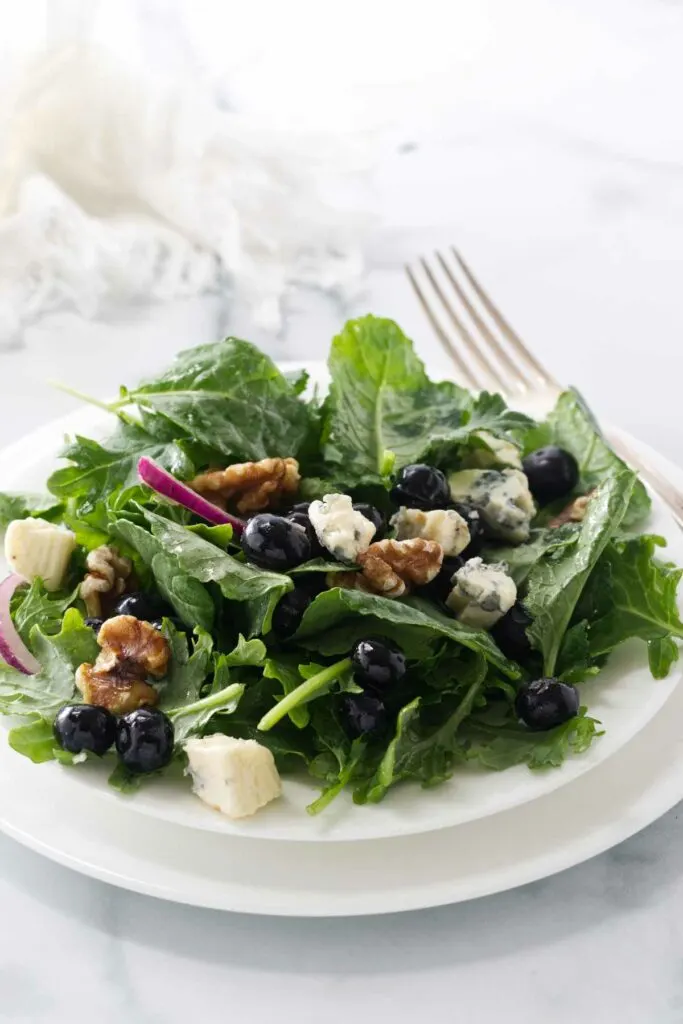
column 502, row 497
column 492, row 452
column 445, row 526
column 481, row 594
column 340, row 528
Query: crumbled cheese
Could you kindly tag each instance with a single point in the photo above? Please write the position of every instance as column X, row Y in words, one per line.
column 445, row 526
column 494, row 452
column 236, row 777
column 34, row 547
column 340, row 528
column 482, row 593
column 501, row 496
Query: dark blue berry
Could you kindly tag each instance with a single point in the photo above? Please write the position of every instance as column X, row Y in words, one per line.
column 273, row 542
column 144, row 740
column 552, row 473
column 365, row 715
column 546, row 703
column 421, row 486
column 80, row 727
column 378, row 664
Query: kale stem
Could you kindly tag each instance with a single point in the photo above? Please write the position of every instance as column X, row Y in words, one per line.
column 310, row 688
column 83, row 397
column 234, row 691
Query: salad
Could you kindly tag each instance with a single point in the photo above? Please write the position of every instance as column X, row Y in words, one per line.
column 373, row 586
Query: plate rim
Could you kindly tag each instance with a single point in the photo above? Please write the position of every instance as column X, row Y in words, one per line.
column 645, row 805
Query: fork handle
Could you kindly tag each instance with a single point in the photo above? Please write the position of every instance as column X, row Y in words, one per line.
column 669, row 494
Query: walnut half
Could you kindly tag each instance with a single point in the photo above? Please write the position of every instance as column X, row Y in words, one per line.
column 391, row 567
column 106, row 577
column 114, row 691
column 251, row 486
column 574, row 512
column 131, row 651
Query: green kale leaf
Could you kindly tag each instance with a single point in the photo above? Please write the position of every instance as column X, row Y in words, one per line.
column 191, row 601
column 238, row 581
column 34, row 606
column 97, row 470
column 414, row 615
column 522, row 558
column 572, row 426
column 558, row 578
column 662, row 653
column 423, row 752
column 21, row 506
column 182, row 697
column 641, row 600
column 381, row 401
column 498, row 745
column 54, row 685
column 230, row 398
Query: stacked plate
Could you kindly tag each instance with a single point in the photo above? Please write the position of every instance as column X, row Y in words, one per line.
column 480, row 833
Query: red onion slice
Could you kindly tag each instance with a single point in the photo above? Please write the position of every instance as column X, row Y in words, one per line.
column 152, row 474
column 12, row 648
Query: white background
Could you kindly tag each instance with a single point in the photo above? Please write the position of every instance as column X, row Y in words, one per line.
column 545, row 138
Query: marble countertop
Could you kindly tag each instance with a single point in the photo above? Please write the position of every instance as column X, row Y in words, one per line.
column 563, row 185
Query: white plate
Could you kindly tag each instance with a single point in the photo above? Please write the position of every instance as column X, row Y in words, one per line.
column 558, row 831
column 624, row 699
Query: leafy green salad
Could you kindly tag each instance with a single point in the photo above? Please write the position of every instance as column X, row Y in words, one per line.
column 371, row 586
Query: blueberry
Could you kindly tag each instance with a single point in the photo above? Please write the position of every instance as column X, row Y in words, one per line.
column 546, row 703
column 552, row 472
column 377, row 664
column 273, row 542
column 421, row 486
column 301, row 506
column 81, row 727
column 364, row 714
column 510, row 633
column 144, row 740
column 147, row 607
column 440, row 587
column 375, row 517
column 94, row 624
column 302, row 519
column 290, row 612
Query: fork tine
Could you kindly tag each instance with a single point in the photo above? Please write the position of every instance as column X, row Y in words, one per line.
column 467, row 338
column 518, row 376
column 504, row 326
column 467, row 375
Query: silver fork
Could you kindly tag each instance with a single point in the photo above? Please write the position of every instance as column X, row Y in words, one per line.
column 490, row 355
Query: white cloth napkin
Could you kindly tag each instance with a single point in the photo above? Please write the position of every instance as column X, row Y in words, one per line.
column 116, row 186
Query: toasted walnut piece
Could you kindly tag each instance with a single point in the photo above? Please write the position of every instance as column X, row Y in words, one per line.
column 115, row 691
column 130, row 642
column 131, row 651
column 354, row 581
column 574, row 512
column 251, row 486
column 107, row 575
column 391, row 567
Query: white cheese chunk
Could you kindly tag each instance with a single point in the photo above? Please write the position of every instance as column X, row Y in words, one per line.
column 233, row 776
column 445, row 526
column 494, row 452
column 482, row 593
column 501, row 496
column 34, row 547
column 340, row 528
